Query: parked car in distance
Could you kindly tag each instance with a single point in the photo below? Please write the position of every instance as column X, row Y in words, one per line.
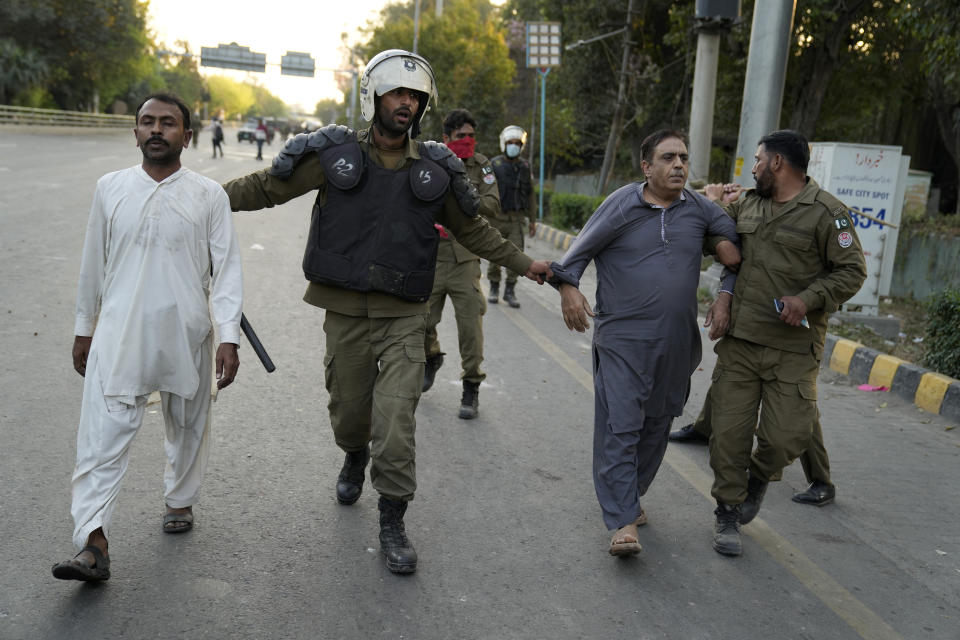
column 248, row 131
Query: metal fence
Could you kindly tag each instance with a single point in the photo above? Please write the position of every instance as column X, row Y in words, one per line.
column 54, row 117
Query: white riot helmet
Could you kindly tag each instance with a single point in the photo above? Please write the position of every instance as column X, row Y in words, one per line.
column 512, row 132
column 395, row 68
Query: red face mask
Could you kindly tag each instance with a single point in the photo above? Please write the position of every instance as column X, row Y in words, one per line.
column 463, row 147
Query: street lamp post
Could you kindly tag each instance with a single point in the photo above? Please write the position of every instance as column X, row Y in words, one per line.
column 543, row 54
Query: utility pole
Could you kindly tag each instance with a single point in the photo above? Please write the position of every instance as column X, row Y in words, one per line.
column 416, row 24
column 763, row 87
column 616, row 127
column 712, row 20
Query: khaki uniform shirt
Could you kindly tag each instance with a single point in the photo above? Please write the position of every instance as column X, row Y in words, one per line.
column 261, row 189
column 481, row 175
column 807, row 248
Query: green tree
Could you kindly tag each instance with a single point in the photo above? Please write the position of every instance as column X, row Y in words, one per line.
column 21, row 70
column 658, row 72
column 266, row 104
column 469, row 56
column 94, row 49
column 931, row 24
column 229, row 97
column 331, row 111
column 181, row 75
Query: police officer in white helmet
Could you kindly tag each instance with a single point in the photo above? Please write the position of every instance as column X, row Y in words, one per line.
column 517, row 206
column 370, row 261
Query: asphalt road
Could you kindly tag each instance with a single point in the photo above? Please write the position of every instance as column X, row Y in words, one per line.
column 505, row 520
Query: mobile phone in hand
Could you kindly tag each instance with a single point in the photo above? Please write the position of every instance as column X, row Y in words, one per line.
column 778, row 305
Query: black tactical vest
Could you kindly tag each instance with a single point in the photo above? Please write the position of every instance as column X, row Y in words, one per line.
column 513, row 177
column 376, row 231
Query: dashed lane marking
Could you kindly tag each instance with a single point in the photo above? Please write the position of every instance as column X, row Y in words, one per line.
column 838, row 599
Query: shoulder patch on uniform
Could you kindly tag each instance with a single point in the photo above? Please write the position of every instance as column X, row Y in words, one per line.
column 845, row 239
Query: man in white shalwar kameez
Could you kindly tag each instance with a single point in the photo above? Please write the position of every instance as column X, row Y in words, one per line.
column 160, row 242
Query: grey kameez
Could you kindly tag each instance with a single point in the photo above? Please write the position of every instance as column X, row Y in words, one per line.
column 646, row 342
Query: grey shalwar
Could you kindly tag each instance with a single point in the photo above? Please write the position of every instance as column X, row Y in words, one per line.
column 646, row 342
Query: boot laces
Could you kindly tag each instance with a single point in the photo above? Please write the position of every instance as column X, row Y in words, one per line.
column 727, row 519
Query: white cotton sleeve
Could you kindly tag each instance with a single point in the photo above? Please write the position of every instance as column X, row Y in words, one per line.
column 92, row 267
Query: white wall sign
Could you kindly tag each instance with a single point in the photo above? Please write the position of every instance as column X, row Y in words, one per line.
column 872, row 179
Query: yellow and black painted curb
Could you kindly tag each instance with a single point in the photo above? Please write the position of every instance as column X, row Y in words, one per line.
column 555, row 237
column 932, row 392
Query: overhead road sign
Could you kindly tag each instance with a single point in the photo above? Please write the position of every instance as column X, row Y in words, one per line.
column 233, row 56
column 296, row 63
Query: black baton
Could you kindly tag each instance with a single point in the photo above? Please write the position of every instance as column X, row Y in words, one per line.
column 255, row 343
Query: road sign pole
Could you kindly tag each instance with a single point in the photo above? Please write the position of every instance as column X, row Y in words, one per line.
column 543, row 119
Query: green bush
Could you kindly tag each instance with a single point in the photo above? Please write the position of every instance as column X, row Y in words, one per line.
column 547, row 194
column 571, row 210
column 941, row 345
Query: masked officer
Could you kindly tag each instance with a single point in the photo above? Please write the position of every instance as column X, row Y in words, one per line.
column 517, row 203
column 801, row 261
column 458, row 270
column 370, row 259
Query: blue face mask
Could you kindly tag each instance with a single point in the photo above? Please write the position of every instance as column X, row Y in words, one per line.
column 513, row 150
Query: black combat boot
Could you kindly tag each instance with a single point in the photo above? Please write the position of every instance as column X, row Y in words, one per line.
column 726, row 531
column 494, row 296
column 434, row 362
column 350, row 480
column 818, row 494
column 756, row 488
column 397, row 550
column 470, row 403
column 509, row 297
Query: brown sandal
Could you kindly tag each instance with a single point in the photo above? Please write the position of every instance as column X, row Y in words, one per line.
column 624, row 541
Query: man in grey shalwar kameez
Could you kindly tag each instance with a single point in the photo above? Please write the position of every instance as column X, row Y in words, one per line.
column 646, row 241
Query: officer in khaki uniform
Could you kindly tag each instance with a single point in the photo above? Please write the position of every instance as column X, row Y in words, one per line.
column 517, row 204
column 815, row 461
column 458, row 271
column 801, row 261
column 370, row 258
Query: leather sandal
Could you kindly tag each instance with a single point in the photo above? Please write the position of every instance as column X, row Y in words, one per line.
column 178, row 522
column 624, row 541
column 73, row 569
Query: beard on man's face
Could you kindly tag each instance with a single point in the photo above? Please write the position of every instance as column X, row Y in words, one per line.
column 765, row 182
column 389, row 123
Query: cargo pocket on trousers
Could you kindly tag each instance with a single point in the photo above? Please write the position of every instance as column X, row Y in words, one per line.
column 330, row 377
column 808, row 391
column 406, row 383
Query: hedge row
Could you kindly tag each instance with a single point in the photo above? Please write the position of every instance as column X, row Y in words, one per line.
column 941, row 345
column 569, row 211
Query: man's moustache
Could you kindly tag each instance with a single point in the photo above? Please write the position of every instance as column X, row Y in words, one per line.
column 156, row 139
